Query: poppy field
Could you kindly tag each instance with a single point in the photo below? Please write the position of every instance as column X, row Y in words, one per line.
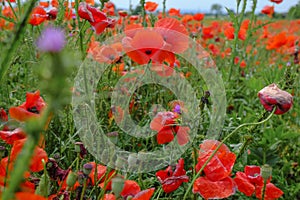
column 101, row 103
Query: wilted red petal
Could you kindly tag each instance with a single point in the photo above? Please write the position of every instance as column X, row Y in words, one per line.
column 144, row 195
column 171, row 181
column 243, row 184
column 214, row 189
column 272, row 192
column 271, row 96
column 130, row 188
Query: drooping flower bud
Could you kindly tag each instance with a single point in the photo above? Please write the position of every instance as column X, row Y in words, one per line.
column 271, row 96
column 266, row 171
column 118, row 185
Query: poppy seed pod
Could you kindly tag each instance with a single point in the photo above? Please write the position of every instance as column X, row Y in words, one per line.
column 271, row 96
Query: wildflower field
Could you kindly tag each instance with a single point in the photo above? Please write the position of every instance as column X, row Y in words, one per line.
column 99, row 103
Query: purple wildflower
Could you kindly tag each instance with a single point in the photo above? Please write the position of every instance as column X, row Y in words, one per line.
column 177, row 109
column 51, row 40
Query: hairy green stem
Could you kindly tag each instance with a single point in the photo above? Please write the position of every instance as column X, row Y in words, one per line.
column 218, row 147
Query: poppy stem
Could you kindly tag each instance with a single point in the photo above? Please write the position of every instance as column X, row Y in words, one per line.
column 142, row 2
column 220, row 144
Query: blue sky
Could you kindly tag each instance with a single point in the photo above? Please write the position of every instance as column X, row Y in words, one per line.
column 204, row 5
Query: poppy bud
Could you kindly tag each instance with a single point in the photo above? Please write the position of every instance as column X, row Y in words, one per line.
column 71, row 179
column 117, row 185
column 266, row 172
column 87, row 168
column 271, row 96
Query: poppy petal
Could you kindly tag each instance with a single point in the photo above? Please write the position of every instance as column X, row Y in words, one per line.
column 214, row 189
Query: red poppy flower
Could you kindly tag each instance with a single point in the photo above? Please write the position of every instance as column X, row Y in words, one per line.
column 101, row 171
column 277, row 1
column 150, row 6
column 214, row 189
column 277, row 41
column 271, row 96
column 174, row 33
column 27, row 195
column 38, row 16
column 97, row 19
column 9, row 136
column 199, row 16
column 32, row 107
column 123, row 13
column 131, row 188
column 251, row 181
column 163, row 119
column 3, row 115
column 52, row 14
column 220, row 166
column 144, row 195
column 174, row 12
column 39, row 154
column 268, row 10
column 147, row 45
column 172, row 180
column 271, row 192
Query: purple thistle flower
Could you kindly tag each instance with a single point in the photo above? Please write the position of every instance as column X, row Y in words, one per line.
column 51, row 40
column 177, row 109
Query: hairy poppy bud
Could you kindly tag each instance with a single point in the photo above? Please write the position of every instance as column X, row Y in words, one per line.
column 271, row 96
column 266, row 171
column 117, row 185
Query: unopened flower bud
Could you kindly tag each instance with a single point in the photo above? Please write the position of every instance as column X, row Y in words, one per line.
column 71, row 179
column 81, row 178
column 117, row 185
column 87, row 168
column 271, row 96
column 79, row 148
column 266, row 172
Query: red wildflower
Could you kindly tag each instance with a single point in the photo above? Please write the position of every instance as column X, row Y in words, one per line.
column 199, row 16
column 32, row 107
column 39, row 154
column 251, row 181
column 150, row 6
column 220, row 165
column 166, row 125
column 268, row 10
column 174, row 34
column 97, row 19
column 38, row 16
column 172, row 180
column 214, row 189
column 217, row 182
column 147, row 45
column 9, row 136
column 3, row 115
column 28, row 195
column 123, row 13
column 277, row 1
column 174, row 12
column 271, row 96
